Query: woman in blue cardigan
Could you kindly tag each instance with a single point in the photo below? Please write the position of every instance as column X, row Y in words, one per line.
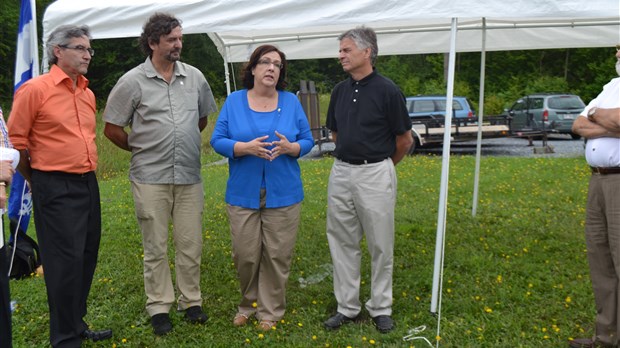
column 263, row 130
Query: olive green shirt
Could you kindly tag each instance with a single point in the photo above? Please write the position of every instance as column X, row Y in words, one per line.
column 164, row 137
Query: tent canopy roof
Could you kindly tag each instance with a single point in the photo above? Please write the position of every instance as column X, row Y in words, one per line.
column 308, row 29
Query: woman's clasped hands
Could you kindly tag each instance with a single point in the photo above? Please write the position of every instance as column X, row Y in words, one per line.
column 259, row 147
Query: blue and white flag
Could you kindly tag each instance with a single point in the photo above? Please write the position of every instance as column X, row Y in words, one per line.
column 26, row 67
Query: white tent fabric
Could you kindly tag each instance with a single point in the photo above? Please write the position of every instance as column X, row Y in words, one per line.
column 308, row 29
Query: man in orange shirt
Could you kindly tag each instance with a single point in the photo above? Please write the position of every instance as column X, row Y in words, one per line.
column 52, row 124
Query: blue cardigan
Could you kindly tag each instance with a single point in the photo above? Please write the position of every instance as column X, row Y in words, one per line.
column 283, row 184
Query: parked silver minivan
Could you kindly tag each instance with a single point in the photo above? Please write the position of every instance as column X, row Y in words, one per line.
column 551, row 112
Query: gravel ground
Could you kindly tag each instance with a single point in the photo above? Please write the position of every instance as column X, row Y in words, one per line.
column 560, row 146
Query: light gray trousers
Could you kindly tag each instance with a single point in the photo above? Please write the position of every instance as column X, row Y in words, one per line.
column 360, row 201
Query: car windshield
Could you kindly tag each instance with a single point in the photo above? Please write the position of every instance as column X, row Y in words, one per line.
column 566, row 102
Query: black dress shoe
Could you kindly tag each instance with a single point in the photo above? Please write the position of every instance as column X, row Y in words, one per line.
column 161, row 324
column 95, row 336
column 384, row 323
column 195, row 315
column 337, row 321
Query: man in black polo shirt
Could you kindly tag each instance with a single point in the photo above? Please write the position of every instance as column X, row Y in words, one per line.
column 371, row 128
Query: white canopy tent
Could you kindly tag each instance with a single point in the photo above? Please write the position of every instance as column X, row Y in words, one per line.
column 308, row 29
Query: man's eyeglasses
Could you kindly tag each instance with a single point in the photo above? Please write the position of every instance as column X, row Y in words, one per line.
column 266, row 62
column 80, row 48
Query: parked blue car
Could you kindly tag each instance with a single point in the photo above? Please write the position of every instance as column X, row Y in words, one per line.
column 434, row 106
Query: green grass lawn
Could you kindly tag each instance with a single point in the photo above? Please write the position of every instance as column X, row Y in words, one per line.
column 515, row 276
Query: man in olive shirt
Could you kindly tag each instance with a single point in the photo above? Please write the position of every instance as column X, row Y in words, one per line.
column 165, row 103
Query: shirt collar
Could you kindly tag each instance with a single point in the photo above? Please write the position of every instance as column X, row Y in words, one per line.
column 366, row 79
column 58, row 76
column 149, row 69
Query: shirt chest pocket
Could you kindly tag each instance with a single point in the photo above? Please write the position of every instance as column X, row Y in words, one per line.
column 190, row 100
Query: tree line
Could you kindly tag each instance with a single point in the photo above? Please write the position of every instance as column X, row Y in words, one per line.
column 509, row 74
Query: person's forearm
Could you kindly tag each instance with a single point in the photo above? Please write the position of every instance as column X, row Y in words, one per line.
column 24, row 165
column 403, row 144
column 590, row 130
column 2, row 196
column 202, row 123
column 6, row 171
column 117, row 136
column 608, row 119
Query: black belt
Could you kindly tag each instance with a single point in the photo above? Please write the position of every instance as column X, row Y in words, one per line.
column 360, row 162
column 605, row 170
column 65, row 174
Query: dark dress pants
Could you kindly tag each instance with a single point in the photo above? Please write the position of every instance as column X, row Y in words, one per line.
column 67, row 214
column 5, row 299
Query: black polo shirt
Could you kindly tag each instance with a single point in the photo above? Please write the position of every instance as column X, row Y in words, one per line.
column 367, row 116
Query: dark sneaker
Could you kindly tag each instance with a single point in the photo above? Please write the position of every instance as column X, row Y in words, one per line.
column 337, row 321
column 384, row 323
column 195, row 315
column 161, row 324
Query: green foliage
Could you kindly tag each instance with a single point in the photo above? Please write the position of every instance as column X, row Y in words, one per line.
column 112, row 59
column 9, row 11
column 516, row 275
column 402, row 74
column 547, row 84
column 595, row 70
column 326, row 73
column 493, row 105
column 199, row 51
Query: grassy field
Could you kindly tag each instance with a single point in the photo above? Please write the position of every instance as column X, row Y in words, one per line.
column 516, row 275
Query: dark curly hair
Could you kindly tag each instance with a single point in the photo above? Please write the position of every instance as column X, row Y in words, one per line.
column 246, row 73
column 158, row 24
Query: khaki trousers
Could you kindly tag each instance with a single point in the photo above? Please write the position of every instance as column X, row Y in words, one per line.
column 155, row 206
column 361, row 201
column 603, row 243
column 262, row 246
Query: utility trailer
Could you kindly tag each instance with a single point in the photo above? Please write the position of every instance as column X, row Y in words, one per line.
column 430, row 131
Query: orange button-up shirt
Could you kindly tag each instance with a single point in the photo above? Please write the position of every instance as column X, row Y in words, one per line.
column 55, row 123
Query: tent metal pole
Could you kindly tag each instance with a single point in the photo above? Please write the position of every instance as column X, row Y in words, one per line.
column 483, row 57
column 443, row 192
column 226, row 72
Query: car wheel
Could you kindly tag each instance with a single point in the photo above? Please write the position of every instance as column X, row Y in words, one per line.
column 575, row 136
